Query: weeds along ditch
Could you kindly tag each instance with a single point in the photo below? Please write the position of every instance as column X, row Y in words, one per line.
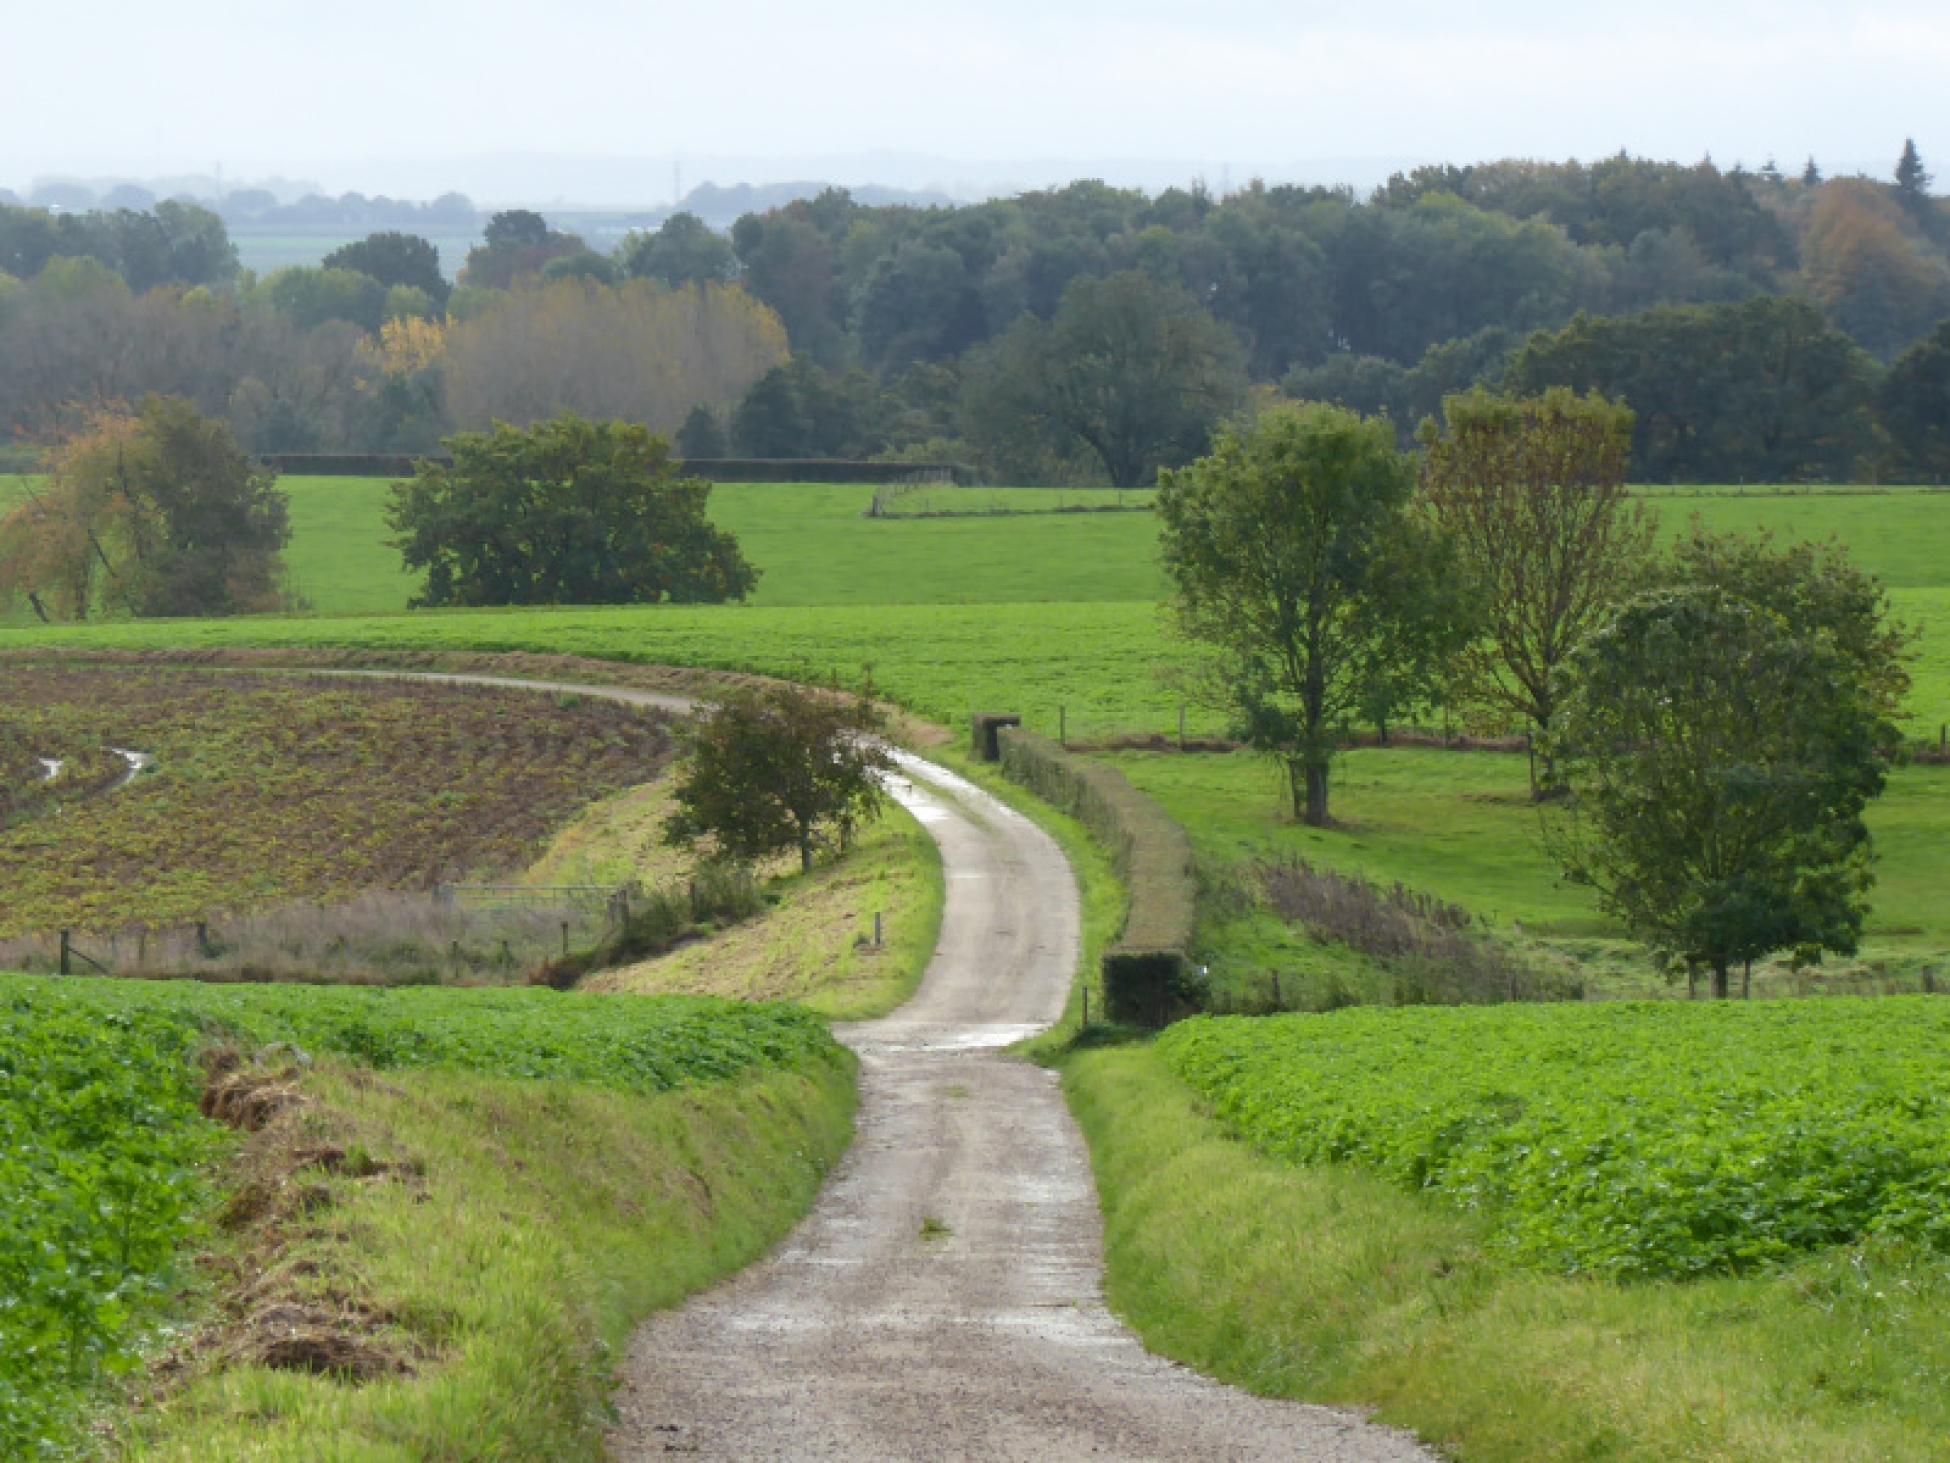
column 1638, row 1141
column 266, row 790
column 107, row 1161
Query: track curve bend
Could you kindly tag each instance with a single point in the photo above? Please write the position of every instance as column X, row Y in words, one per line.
column 943, row 1300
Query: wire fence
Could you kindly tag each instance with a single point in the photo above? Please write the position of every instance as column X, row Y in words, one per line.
column 454, row 934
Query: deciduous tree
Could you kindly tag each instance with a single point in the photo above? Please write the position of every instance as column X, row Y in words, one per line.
column 394, row 258
column 773, row 769
column 156, row 513
column 1130, row 369
column 1299, row 563
column 567, row 512
column 1914, row 403
column 1532, row 493
column 1720, row 763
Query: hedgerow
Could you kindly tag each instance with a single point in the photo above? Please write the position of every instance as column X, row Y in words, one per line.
column 1641, row 1140
column 1147, row 973
column 105, row 1161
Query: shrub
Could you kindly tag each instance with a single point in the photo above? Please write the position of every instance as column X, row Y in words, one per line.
column 1427, row 944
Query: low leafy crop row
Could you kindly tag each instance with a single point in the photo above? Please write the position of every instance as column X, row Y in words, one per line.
column 100, row 1154
column 103, row 1156
column 1636, row 1140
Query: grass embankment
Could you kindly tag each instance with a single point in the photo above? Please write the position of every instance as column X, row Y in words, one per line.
column 266, row 789
column 1330, row 1284
column 432, row 1238
column 814, row 942
column 1461, row 826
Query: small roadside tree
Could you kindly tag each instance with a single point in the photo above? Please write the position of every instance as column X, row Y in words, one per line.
column 155, row 513
column 1532, row 493
column 567, row 512
column 773, row 769
column 1299, row 563
column 1719, row 764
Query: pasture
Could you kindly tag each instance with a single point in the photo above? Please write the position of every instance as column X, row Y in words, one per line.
column 1032, row 612
column 1461, row 826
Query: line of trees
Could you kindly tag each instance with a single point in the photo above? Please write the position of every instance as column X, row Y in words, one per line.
column 1032, row 335
column 1712, row 724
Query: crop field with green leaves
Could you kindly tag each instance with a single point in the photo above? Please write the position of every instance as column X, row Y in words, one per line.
column 105, row 1158
column 1633, row 1140
column 264, row 789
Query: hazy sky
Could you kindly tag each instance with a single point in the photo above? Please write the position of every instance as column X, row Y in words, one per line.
column 351, row 91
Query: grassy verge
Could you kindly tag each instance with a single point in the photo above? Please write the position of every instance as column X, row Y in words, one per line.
column 472, row 1274
column 442, row 1191
column 1332, row 1286
column 815, row 943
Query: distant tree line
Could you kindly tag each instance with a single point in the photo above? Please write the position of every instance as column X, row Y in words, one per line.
column 1764, row 325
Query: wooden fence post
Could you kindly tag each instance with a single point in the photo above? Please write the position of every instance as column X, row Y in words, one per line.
column 64, row 951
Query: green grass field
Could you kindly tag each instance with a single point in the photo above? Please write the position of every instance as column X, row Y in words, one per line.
column 1029, row 613
column 1461, row 826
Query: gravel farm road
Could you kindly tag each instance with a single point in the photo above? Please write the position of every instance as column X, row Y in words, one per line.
column 986, row 1337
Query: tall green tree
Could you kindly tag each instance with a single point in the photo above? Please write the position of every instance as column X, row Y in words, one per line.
column 683, row 250
column 1131, row 370
column 1720, row 764
column 1763, row 391
column 1301, row 567
column 773, row 769
column 567, row 512
column 394, row 259
column 1532, row 493
column 1912, row 178
column 701, row 435
column 1913, row 402
column 1818, row 590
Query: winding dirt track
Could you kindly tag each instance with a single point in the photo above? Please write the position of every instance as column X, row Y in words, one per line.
column 861, row 1338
